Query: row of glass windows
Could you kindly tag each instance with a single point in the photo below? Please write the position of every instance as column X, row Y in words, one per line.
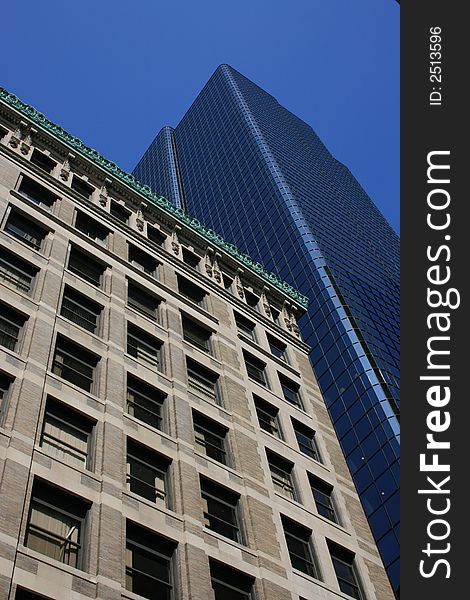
column 99, row 233
column 57, row 528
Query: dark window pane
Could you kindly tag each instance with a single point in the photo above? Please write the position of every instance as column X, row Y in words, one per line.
column 142, row 260
column 190, row 290
column 11, row 323
column 80, row 310
column 42, row 161
column 144, row 303
column 267, row 417
column 91, row 228
column 210, row 438
column 298, row 545
column 118, row 211
column 322, row 492
column 82, row 187
column 196, row 334
column 290, row 391
column 25, row 230
column 16, row 272
column 144, row 402
column 85, row 266
column 74, row 363
column 245, row 326
column 306, row 440
column 147, row 473
column 36, row 192
column 220, row 510
column 142, row 346
column 228, row 584
column 202, row 381
column 255, row 369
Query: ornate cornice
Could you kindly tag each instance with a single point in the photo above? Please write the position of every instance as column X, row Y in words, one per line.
column 112, row 169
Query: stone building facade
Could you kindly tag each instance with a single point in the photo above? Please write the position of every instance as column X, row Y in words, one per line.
column 162, row 434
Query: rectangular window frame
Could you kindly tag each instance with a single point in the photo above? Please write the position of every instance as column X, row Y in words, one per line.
column 147, row 407
column 153, row 462
column 58, row 364
column 142, row 302
column 77, row 308
column 210, row 390
column 282, row 478
column 30, row 233
column 203, row 426
column 212, row 492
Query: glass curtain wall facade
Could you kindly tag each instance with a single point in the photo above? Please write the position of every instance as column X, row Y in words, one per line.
column 261, row 177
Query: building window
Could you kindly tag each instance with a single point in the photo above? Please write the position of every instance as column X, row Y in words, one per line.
column 191, row 291
column 196, row 334
column 202, row 381
column 37, row 193
column 3, row 132
column 56, row 524
column 190, row 258
column 67, row 434
column 155, row 235
column 149, row 568
column 306, row 440
column 145, row 402
column 299, row 547
column 290, row 391
column 80, row 310
column 268, row 417
column 251, row 299
column 281, row 475
column 245, row 327
column 142, row 261
column 82, row 187
column 228, row 584
column 147, row 473
column 255, row 368
column 220, row 508
column 210, row 438
column 11, row 324
column 5, row 383
column 22, row 594
column 91, row 228
column 85, row 266
column 277, row 348
column 143, row 347
column 75, row 364
column 42, row 161
column 343, row 563
column 16, row 272
column 322, row 494
column 118, row 211
column 142, row 302
column 25, row 230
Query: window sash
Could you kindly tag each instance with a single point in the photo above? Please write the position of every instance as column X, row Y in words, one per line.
column 22, row 230
column 204, row 386
column 303, row 562
column 73, row 369
column 290, row 394
column 151, row 408
column 65, row 440
column 192, row 334
column 54, row 532
column 155, row 491
column 217, row 523
column 88, row 270
column 212, row 444
column 221, row 588
column 9, row 333
column 346, row 577
column 15, row 276
column 143, row 303
column 143, row 582
column 282, row 481
column 143, row 351
column 268, row 422
column 80, row 315
column 324, row 504
column 307, row 445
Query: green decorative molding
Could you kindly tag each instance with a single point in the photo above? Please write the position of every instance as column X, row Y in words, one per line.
column 111, row 168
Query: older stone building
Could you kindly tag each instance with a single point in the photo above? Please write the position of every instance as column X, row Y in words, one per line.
column 162, row 435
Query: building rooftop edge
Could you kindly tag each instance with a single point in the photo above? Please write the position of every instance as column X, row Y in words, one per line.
column 129, row 180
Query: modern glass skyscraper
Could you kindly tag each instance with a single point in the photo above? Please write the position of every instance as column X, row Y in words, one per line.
column 259, row 175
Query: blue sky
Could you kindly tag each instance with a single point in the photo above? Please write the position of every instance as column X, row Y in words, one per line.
column 114, row 72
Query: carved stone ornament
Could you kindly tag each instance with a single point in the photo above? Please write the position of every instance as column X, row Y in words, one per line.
column 215, row 268
column 17, row 135
column 175, row 246
column 239, row 285
column 103, row 195
column 176, row 212
column 264, row 300
column 65, row 169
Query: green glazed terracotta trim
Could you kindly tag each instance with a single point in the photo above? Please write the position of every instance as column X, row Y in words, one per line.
column 208, row 234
